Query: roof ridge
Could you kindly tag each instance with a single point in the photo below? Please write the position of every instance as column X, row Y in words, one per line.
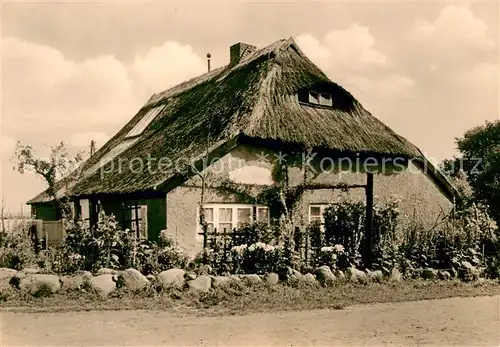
column 275, row 48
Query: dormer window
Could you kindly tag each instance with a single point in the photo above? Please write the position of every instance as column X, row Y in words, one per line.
column 315, row 98
column 143, row 123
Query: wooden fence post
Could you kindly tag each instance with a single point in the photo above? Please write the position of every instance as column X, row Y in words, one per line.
column 224, row 245
column 369, row 220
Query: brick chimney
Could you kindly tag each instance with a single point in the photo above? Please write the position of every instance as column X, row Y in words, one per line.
column 240, row 50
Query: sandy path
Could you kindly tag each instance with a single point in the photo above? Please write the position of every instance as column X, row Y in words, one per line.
column 458, row 321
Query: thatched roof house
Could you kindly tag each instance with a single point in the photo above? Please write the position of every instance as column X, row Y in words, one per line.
column 273, row 98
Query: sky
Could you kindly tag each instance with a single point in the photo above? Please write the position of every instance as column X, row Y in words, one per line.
column 78, row 71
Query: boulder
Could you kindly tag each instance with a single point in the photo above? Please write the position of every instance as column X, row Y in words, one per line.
column 106, row 271
column 104, row 284
column 376, row 276
column 271, row 279
column 396, row 275
column 31, row 270
column 324, row 275
column 35, row 283
column 133, row 279
column 87, row 275
column 7, row 274
column 468, row 272
column 220, row 281
column 356, row 275
column 429, row 273
column 309, row 278
column 296, row 274
column 201, row 283
column 444, row 275
column 73, row 283
column 172, row 278
column 340, row 275
column 251, row 279
column 235, row 278
column 190, row 275
column 292, row 273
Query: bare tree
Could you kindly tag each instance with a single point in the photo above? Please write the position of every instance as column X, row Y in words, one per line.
column 52, row 169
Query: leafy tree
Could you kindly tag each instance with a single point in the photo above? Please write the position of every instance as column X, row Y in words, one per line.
column 52, row 168
column 480, row 161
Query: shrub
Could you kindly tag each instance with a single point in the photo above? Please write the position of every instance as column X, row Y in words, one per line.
column 156, row 257
column 110, row 247
column 331, row 256
column 345, row 225
column 61, row 260
column 17, row 249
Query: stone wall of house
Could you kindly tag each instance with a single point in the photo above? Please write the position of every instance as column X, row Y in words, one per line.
column 421, row 201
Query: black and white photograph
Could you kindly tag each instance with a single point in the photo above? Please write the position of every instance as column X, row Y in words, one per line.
column 249, row 173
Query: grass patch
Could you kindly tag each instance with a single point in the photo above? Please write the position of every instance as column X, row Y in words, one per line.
column 238, row 299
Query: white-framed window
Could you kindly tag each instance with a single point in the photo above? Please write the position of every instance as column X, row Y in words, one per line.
column 317, row 213
column 142, row 124
column 325, row 99
column 231, row 216
column 313, row 97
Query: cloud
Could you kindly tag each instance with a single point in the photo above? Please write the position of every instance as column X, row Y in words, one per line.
column 455, row 25
column 48, row 97
column 46, row 91
column 351, row 48
column 349, row 56
column 455, row 38
column 390, row 85
column 167, row 65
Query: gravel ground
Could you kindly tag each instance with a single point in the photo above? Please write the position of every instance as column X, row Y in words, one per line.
column 446, row 322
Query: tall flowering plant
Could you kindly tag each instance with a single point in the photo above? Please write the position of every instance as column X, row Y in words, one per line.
column 331, row 256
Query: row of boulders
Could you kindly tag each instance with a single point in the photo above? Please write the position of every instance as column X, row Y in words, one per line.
column 327, row 277
column 105, row 281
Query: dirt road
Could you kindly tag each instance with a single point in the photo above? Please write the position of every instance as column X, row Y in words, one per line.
column 457, row 321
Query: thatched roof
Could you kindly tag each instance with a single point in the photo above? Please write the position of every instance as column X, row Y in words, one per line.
column 255, row 98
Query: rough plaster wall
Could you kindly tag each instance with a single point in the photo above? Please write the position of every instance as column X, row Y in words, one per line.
column 419, row 196
column 420, row 200
column 182, row 215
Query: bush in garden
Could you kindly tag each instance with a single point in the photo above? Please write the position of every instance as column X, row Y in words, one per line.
column 110, row 247
column 345, row 225
column 467, row 235
column 331, row 256
column 17, row 250
column 61, row 259
column 259, row 258
column 255, row 232
column 169, row 255
column 104, row 246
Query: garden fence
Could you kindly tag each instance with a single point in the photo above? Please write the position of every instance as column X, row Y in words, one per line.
column 53, row 232
column 223, row 241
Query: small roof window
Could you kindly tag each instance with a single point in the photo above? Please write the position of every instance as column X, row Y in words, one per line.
column 315, row 98
column 143, row 123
